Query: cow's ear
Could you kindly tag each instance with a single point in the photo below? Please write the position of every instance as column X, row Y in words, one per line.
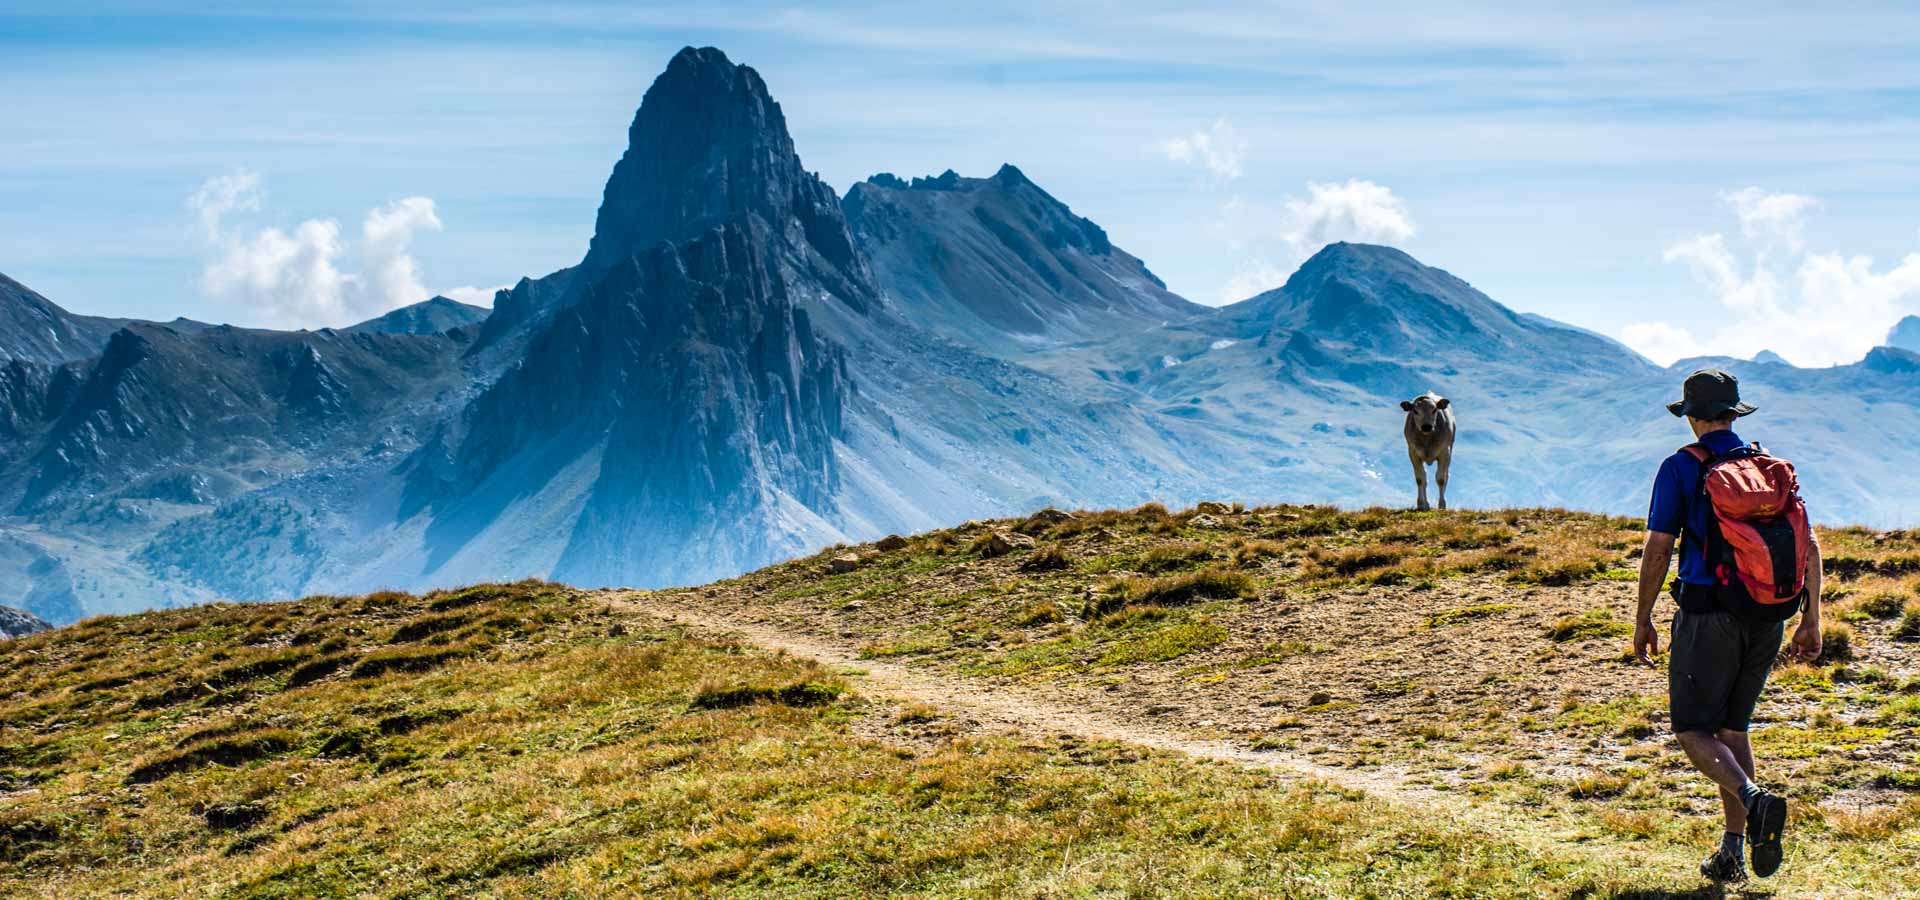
column 1407, row 405
column 1443, row 403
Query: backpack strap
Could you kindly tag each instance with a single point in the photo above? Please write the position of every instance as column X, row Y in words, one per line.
column 1700, row 452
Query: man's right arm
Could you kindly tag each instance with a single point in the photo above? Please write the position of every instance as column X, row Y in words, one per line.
column 1655, row 557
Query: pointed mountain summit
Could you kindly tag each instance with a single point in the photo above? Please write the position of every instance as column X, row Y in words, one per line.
column 709, row 146
column 987, row 260
column 684, row 366
column 434, row 315
column 1381, row 300
column 35, row 329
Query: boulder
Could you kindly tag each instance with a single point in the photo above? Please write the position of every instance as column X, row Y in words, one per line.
column 1209, row 506
column 845, row 562
column 1204, row 520
column 1000, row 543
column 891, row 543
column 1051, row 515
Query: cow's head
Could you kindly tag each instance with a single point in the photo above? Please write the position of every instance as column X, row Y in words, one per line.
column 1424, row 411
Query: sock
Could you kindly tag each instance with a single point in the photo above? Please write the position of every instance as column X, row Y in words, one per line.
column 1734, row 845
column 1750, row 794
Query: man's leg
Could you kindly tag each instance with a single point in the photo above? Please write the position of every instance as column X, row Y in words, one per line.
column 1736, row 809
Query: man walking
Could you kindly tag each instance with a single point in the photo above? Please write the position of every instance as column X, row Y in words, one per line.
column 1748, row 561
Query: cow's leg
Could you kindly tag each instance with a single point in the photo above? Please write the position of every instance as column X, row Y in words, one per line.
column 1419, row 478
column 1440, row 474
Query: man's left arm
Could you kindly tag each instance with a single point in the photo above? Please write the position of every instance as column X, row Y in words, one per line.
column 1806, row 638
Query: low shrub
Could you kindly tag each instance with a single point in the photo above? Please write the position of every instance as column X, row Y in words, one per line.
column 1909, row 627
column 231, row 750
column 1594, row 623
column 411, row 659
column 1211, row 583
column 1050, row 558
column 798, row 693
column 1882, row 605
column 1172, row 556
column 1836, row 643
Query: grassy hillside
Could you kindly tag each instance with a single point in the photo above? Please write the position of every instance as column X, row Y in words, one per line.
column 535, row 739
column 1467, row 654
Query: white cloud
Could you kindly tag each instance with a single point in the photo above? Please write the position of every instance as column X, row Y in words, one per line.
column 279, row 279
column 222, row 195
column 1282, row 238
column 1815, row 308
column 1218, row 149
column 1358, row 210
column 1769, row 218
column 1254, row 278
column 475, row 296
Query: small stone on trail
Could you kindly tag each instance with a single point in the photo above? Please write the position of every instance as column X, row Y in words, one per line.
column 1319, row 698
column 891, row 543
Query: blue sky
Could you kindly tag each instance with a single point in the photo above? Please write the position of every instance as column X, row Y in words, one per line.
column 1718, row 178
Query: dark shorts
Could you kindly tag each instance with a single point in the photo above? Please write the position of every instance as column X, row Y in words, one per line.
column 1717, row 665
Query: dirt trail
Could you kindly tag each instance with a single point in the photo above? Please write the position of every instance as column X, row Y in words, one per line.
column 1029, row 712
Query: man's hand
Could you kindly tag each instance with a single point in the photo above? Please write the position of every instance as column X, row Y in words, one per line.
column 1646, row 640
column 1806, row 641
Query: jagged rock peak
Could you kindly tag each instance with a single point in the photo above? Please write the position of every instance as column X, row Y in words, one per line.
column 709, row 146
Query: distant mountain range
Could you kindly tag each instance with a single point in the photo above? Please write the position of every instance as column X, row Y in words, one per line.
column 743, row 367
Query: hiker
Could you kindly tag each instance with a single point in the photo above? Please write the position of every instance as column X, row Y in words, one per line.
column 1748, row 562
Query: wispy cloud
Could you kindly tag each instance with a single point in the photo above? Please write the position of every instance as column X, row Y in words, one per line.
column 294, row 279
column 474, row 296
column 1217, row 149
column 1814, row 308
column 1280, row 239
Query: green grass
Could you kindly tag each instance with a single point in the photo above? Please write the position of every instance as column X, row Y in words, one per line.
column 576, row 753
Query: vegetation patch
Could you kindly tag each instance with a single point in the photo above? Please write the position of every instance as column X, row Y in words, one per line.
column 230, row 750
column 798, row 694
column 412, row 659
column 1594, row 623
column 1448, row 617
column 1175, row 590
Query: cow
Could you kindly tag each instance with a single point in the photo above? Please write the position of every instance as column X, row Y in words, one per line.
column 1429, row 432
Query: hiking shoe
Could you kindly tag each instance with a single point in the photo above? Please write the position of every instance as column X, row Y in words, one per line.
column 1765, row 823
column 1724, row 867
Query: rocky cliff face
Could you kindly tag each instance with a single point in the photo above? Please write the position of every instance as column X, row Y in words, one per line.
column 1001, row 263
column 709, row 147
column 33, row 329
column 220, row 397
column 16, row 623
column 686, row 371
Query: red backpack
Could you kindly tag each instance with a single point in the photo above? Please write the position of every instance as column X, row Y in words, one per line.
column 1758, row 539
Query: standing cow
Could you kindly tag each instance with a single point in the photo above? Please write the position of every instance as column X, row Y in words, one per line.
column 1429, row 432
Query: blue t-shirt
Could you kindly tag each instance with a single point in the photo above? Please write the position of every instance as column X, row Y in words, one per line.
column 1673, row 510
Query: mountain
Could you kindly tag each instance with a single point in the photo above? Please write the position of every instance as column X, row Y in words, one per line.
column 435, row 315
column 1000, row 263
column 1768, row 357
column 1380, row 300
column 16, row 623
column 34, row 329
column 1905, row 334
column 741, row 368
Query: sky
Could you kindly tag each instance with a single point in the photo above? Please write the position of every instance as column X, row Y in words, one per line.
column 1707, row 179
